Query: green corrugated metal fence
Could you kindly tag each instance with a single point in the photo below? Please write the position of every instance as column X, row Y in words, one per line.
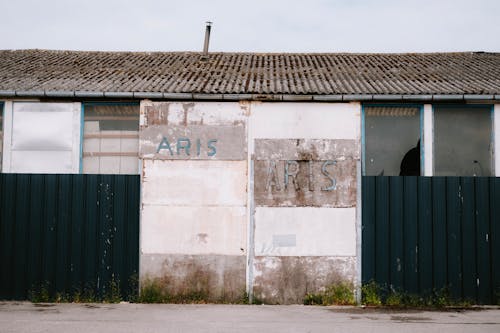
column 68, row 234
column 425, row 234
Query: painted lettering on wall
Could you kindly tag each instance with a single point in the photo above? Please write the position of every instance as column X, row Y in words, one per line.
column 187, row 147
column 300, row 178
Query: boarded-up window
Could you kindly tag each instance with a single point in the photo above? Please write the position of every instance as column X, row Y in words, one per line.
column 111, row 139
column 42, row 138
column 392, row 135
column 463, row 141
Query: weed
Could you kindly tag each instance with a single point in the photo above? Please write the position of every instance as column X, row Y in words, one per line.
column 113, row 294
column 371, row 294
column 395, row 299
column 336, row 294
column 40, row 294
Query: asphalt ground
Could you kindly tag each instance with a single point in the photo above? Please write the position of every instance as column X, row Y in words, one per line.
column 124, row 317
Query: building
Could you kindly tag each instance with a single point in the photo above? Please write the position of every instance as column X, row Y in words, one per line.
column 251, row 164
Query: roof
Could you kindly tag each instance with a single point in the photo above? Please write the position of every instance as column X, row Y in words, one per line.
column 160, row 74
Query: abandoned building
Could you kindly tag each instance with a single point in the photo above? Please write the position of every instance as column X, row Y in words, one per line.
column 275, row 175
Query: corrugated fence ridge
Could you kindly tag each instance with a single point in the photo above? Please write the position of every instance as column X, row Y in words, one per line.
column 68, row 234
column 426, row 234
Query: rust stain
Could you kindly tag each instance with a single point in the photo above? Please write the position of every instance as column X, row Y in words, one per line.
column 157, row 114
column 187, row 107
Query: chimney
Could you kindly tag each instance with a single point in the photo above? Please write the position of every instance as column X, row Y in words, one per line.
column 207, row 38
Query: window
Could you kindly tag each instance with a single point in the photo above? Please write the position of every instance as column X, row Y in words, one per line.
column 111, row 139
column 463, row 141
column 392, row 137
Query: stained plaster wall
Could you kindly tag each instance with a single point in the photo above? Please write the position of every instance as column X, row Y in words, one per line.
column 193, row 213
column 303, row 245
column 204, row 224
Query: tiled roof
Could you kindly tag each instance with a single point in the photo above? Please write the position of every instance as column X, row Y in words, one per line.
column 251, row 73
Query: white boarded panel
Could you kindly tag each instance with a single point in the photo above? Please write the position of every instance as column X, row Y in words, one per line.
column 42, row 137
column 25, row 161
column 193, row 230
column 194, row 183
column 304, row 121
column 305, row 231
column 42, row 126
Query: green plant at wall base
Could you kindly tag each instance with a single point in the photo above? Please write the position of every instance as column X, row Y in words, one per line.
column 39, row 294
column 371, row 294
column 336, row 294
column 42, row 294
column 152, row 291
column 395, row 299
column 113, row 294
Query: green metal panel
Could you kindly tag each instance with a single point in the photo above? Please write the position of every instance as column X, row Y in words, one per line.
column 495, row 238
column 410, row 234
column 396, row 232
column 439, row 234
column 382, row 229
column 368, row 229
column 68, row 234
column 453, row 221
column 424, row 249
column 483, row 258
column 469, row 273
column 433, row 234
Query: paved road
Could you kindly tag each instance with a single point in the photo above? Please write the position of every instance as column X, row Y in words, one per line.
column 74, row 318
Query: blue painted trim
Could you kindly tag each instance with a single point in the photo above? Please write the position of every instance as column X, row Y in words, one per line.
column 2, row 125
column 422, row 142
column 408, row 105
column 82, row 127
column 110, row 103
column 363, row 145
column 461, row 105
column 493, row 166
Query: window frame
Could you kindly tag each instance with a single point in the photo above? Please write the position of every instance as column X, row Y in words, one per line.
column 491, row 108
column 420, row 107
column 427, row 132
column 98, row 103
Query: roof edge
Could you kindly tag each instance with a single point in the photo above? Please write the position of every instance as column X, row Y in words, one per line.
column 252, row 97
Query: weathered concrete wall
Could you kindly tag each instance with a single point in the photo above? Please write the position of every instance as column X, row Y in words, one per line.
column 197, row 206
column 211, row 277
column 286, row 280
column 305, row 190
column 194, row 194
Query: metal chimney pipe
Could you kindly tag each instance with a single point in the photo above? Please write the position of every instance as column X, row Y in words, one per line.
column 207, row 38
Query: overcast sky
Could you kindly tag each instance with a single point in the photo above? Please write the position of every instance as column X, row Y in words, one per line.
column 253, row 25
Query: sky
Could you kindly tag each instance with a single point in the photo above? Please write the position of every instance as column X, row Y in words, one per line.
column 252, row 26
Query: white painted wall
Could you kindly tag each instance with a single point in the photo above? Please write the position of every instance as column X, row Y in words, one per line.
column 316, row 231
column 195, row 207
column 194, row 183
column 304, row 121
column 194, row 230
column 206, row 113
